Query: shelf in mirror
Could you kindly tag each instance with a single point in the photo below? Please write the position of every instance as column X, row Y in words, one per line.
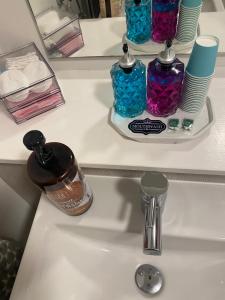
column 108, row 43
column 103, row 36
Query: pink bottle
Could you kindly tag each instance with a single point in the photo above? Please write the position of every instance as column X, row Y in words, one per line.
column 164, row 19
column 164, row 83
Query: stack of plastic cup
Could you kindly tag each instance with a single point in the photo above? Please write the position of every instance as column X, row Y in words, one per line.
column 199, row 72
column 188, row 20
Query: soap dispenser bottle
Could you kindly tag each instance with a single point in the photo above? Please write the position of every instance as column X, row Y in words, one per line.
column 129, row 85
column 53, row 167
column 164, row 83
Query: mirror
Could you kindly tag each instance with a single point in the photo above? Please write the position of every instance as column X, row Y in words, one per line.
column 92, row 28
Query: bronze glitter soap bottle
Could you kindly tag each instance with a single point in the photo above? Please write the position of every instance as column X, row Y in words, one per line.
column 53, row 167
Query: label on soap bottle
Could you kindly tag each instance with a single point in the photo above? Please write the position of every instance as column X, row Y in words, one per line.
column 73, row 197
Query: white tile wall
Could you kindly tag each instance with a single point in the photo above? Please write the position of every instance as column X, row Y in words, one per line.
column 17, row 27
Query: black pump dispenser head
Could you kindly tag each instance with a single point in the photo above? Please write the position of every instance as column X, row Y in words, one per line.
column 137, row 2
column 127, row 61
column 167, row 56
column 34, row 140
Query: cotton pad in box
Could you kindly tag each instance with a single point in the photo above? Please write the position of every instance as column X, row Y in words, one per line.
column 37, row 71
column 11, row 81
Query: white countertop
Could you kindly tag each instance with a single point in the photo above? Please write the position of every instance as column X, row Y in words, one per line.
column 103, row 37
column 82, row 124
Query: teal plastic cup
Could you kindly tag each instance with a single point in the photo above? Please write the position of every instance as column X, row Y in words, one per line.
column 191, row 3
column 203, row 57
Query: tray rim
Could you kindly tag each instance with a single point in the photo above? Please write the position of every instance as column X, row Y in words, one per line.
column 167, row 138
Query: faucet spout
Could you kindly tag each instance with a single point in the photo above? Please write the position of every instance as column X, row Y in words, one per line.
column 152, row 229
column 154, row 187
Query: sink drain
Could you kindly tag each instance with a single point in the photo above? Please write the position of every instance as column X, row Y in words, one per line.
column 149, row 279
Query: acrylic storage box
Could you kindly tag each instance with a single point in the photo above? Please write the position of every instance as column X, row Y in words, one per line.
column 28, row 86
column 64, row 40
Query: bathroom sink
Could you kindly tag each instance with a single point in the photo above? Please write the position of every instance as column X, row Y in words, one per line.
column 95, row 256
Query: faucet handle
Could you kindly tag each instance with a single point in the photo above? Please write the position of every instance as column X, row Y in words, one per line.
column 154, row 184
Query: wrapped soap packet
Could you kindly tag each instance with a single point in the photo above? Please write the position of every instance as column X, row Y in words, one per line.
column 173, row 124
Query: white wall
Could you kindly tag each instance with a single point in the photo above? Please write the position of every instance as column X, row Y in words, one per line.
column 19, row 198
column 39, row 6
column 17, row 26
column 18, row 202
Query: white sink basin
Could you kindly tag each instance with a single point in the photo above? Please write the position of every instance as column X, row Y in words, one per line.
column 95, row 256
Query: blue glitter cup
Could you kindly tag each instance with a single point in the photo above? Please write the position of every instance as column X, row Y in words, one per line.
column 129, row 90
column 138, row 18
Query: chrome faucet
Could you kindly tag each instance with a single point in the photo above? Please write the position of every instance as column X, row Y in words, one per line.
column 154, row 186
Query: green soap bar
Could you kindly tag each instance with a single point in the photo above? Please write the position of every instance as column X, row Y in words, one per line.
column 187, row 124
column 173, row 124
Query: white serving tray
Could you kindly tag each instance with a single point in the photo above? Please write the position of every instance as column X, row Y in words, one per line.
column 202, row 123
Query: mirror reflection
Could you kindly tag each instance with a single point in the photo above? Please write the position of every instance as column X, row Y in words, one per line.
column 84, row 28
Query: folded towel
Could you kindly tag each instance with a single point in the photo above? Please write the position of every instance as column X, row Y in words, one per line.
column 20, row 62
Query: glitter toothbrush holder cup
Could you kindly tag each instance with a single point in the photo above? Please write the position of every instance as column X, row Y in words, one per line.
column 138, row 19
column 28, row 86
column 199, row 73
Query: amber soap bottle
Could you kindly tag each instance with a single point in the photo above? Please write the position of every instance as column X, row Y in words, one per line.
column 53, row 167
